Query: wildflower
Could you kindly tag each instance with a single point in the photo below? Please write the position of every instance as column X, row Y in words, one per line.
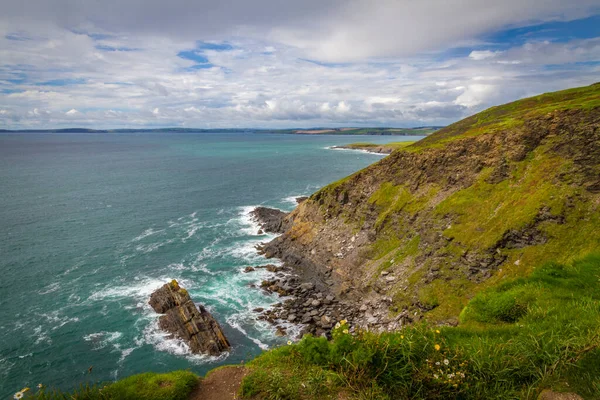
column 436, row 376
column 343, row 322
column 450, row 376
column 20, row 394
column 289, row 342
column 337, row 325
column 437, row 331
column 401, row 336
column 40, row 386
column 446, row 362
column 345, row 331
column 437, row 363
column 437, row 347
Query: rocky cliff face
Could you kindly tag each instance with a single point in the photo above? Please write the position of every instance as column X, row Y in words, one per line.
column 489, row 197
column 183, row 319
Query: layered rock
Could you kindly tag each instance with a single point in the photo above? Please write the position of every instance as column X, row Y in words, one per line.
column 195, row 325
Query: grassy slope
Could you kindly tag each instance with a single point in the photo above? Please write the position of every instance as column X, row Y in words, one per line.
column 176, row 385
column 499, row 118
column 438, row 213
column 514, row 340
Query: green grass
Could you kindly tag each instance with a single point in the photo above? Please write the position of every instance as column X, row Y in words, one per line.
column 502, row 118
column 176, row 385
column 514, row 340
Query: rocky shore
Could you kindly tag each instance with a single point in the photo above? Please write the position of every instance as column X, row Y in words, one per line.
column 312, row 295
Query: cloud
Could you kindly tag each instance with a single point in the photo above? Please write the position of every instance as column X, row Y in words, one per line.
column 332, row 30
column 275, row 64
column 482, row 54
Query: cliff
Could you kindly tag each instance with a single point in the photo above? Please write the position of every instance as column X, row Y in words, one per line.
column 482, row 200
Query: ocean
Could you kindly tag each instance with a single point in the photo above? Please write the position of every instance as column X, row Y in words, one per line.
column 91, row 224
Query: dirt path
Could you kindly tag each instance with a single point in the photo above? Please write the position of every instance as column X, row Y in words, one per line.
column 222, row 384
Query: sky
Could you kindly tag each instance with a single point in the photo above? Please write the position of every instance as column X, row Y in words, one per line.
column 284, row 64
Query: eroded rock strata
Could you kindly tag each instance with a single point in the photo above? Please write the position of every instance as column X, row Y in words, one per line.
column 195, row 325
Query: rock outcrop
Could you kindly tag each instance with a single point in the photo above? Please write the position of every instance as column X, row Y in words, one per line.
column 270, row 219
column 183, row 319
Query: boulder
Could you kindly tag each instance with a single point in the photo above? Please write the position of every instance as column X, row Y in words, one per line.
column 194, row 325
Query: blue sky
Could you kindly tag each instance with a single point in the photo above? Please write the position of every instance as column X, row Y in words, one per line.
column 264, row 63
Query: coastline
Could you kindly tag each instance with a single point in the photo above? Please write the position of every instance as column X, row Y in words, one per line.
column 374, row 148
column 314, row 296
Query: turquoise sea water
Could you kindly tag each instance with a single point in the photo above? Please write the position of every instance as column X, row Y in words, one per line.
column 91, row 224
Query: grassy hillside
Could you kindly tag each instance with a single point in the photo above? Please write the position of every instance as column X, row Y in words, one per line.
column 476, row 203
column 514, row 341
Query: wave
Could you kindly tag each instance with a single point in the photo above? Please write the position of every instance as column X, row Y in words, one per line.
column 100, row 340
column 356, row 150
column 146, row 233
column 164, row 342
column 40, row 335
column 247, row 223
column 140, row 288
column 53, row 287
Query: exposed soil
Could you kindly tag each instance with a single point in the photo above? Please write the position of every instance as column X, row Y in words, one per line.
column 222, row 384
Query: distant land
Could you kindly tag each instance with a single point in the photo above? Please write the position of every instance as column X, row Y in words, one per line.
column 418, row 131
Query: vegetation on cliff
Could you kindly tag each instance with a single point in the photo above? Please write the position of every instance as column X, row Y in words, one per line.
column 478, row 202
column 514, row 341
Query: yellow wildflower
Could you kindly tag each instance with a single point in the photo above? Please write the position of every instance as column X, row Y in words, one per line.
column 401, row 336
column 40, row 386
column 345, row 331
column 437, row 347
column 289, row 342
column 437, row 331
column 343, row 322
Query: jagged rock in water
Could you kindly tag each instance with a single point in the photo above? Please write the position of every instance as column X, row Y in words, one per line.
column 270, row 219
column 183, row 319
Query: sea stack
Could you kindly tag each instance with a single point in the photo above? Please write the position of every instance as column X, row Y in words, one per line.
column 183, row 319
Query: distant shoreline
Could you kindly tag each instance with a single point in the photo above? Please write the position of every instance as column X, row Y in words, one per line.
column 386, row 148
column 418, row 131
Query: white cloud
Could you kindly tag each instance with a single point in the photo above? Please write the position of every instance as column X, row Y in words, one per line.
column 262, row 82
column 482, row 55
